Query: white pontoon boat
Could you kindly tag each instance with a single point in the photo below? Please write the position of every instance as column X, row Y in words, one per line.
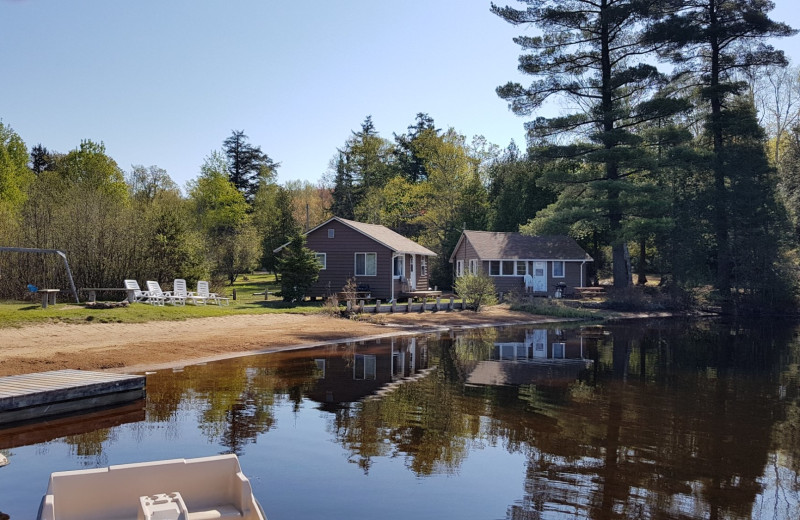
column 180, row 489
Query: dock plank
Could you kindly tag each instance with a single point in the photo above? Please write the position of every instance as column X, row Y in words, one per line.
column 42, row 394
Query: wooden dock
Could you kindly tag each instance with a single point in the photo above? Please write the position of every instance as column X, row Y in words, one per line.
column 35, row 396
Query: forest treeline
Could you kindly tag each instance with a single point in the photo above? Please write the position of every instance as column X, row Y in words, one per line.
column 674, row 152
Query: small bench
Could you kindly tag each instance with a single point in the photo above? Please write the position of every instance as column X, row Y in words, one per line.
column 94, row 290
column 48, row 296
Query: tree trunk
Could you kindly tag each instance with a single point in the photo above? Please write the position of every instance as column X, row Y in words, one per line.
column 642, row 278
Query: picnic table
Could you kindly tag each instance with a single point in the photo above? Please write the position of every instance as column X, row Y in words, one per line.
column 93, row 292
column 48, row 296
column 590, row 291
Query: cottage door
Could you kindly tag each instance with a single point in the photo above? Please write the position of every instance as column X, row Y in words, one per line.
column 539, row 340
column 539, row 277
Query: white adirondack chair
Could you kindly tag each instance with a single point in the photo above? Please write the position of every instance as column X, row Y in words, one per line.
column 154, row 289
column 142, row 296
column 179, row 290
column 202, row 290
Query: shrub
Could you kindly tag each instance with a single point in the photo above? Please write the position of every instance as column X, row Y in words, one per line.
column 477, row 290
column 299, row 270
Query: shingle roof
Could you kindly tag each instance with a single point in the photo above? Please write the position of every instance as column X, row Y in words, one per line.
column 491, row 245
column 394, row 241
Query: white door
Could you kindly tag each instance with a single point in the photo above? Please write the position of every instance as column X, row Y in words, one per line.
column 412, row 274
column 540, row 343
column 539, row 276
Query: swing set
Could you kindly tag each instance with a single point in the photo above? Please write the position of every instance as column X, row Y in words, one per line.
column 47, row 251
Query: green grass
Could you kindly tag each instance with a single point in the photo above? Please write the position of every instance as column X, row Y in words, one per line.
column 550, row 308
column 17, row 314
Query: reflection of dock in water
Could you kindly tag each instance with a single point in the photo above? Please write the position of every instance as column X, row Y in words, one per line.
column 25, row 434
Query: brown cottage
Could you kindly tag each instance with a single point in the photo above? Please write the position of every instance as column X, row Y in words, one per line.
column 383, row 263
column 516, row 262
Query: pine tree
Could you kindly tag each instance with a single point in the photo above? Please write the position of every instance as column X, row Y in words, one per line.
column 713, row 41
column 299, row 269
column 590, row 53
column 247, row 164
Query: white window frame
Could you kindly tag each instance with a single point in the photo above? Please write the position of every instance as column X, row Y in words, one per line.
column 499, row 267
column 473, row 266
column 369, row 365
column 459, row 268
column 365, row 273
column 322, row 259
column 423, row 266
column 402, row 260
column 563, row 269
column 331, row 233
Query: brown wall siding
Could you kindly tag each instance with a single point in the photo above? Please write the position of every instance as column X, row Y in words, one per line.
column 504, row 284
column 340, row 252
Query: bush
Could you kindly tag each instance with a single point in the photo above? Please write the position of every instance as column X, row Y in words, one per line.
column 299, row 270
column 477, row 290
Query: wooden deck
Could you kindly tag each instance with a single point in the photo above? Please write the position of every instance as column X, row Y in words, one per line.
column 35, row 396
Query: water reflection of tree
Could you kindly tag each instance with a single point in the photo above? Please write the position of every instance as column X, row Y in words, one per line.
column 677, row 422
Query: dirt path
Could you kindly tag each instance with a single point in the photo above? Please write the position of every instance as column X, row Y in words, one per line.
column 129, row 347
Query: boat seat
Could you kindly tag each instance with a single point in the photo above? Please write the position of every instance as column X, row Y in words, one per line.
column 221, row 511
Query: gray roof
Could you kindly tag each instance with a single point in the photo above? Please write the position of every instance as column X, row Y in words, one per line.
column 394, row 241
column 492, row 245
column 381, row 234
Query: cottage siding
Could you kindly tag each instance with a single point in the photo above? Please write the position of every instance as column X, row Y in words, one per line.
column 340, row 257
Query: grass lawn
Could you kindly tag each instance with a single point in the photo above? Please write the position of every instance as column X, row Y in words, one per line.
column 15, row 314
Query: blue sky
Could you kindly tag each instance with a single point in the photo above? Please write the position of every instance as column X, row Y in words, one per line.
column 164, row 82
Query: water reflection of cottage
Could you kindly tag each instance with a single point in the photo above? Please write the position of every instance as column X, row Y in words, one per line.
column 545, row 356
column 365, row 369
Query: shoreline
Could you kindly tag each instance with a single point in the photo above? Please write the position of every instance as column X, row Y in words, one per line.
column 139, row 347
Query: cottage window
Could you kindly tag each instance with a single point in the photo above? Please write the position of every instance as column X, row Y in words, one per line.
column 521, row 266
column 558, row 350
column 366, row 264
column 473, row 266
column 494, row 268
column 424, row 266
column 331, row 233
column 322, row 260
column 508, row 268
column 397, row 263
column 365, row 367
column 320, row 368
column 558, row 269
column 459, row 268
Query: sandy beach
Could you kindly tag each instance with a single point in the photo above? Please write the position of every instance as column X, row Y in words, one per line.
column 135, row 347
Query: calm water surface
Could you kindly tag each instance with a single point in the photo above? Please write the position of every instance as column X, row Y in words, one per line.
column 655, row 419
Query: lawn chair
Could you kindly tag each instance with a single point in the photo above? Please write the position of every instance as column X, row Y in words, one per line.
column 179, row 290
column 142, row 296
column 155, row 290
column 202, row 290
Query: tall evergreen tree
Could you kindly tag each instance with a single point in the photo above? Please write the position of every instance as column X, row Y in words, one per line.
column 299, row 269
column 407, row 148
column 590, row 53
column 712, row 41
column 246, row 163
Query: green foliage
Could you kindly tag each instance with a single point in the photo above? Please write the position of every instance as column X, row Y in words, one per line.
column 272, row 217
column 247, row 165
column 477, row 290
column 14, row 174
column 299, row 270
column 592, row 60
column 516, row 193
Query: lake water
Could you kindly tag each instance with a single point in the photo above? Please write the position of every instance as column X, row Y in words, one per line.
column 647, row 419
